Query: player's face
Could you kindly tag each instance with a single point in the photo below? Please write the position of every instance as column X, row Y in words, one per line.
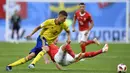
column 82, row 8
column 62, row 18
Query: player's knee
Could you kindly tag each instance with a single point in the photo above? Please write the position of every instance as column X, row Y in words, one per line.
column 82, row 43
column 65, row 46
column 83, row 55
column 30, row 56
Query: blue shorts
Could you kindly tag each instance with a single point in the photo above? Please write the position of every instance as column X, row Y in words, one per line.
column 39, row 45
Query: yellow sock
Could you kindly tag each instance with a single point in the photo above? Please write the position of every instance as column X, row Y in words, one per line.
column 37, row 58
column 18, row 62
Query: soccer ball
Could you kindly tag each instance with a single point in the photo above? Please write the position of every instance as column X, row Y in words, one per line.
column 121, row 68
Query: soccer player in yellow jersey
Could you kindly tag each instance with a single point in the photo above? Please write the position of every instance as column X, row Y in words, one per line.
column 51, row 28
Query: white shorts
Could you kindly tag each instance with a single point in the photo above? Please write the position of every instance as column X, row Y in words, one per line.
column 82, row 36
column 68, row 59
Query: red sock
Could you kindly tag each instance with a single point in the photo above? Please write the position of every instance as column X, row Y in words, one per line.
column 89, row 42
column 69, row 50
column 92, row 54
column 83, row 47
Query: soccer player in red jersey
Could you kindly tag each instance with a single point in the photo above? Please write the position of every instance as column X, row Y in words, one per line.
column 85, row 25
column 65, row 56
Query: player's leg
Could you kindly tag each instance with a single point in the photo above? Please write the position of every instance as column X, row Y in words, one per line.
column 22, row 32
column 20, row 61
column 17, row 32
column 59, row 56
column 36, row 50
column 32, row 54
column 64, row 55
column 39, row 55
column 81, row 43
column 92, row 54
column 37, row 58
column 12, row 35
column 42, row 53
column 23, row 60
column 84, row 42
column 68, row 49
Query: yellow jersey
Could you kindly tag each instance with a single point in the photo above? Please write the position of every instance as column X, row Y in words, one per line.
column 50, row 30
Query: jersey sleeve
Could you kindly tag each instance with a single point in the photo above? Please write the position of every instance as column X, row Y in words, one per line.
column 90, row 18
column 45, row 23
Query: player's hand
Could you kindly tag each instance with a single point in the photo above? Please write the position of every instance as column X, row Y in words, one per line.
column 47, row 61
column 58, row 66
column 73, row 30
column 28, row 37
column 86, row 33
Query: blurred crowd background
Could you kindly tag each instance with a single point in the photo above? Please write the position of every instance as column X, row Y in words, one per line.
column 109, row 18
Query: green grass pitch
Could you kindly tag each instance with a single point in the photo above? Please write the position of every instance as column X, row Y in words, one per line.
column 104, row 63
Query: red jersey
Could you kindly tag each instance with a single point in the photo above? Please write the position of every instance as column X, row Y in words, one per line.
column 53, row 49
column 83, row 20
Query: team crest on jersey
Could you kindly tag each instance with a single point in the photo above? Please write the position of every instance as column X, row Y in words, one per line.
column 84, row 19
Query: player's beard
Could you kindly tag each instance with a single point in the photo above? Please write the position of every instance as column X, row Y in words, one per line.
column 82, row 11
column 60, row 22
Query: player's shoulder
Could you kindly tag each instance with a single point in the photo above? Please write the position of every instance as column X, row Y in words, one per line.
column 65, row 23
column 50, row 20
column 87, row 13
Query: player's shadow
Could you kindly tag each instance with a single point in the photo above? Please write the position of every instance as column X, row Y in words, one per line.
column 68, row 70
column 88, row 71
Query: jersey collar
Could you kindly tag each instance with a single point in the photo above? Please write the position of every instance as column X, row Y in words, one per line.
column 82, row 14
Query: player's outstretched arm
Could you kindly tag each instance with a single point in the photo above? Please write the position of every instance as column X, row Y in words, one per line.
column 91, row 24
column 47, row 61
column 68, row 36
column 34, row 31
column 58, row 66
column 73, row 25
